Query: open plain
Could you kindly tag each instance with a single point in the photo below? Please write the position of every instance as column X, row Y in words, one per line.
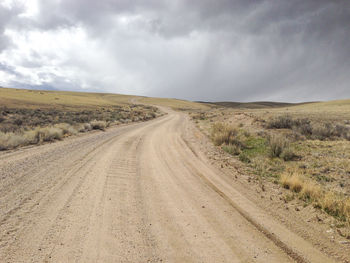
column 137, row 193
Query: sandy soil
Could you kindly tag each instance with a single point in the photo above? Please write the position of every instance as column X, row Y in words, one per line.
column 138, row 193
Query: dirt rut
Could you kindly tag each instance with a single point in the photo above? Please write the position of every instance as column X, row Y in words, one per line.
column 137, row 193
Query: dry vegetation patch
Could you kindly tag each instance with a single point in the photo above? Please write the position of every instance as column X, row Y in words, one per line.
column 310, row 129
column 333, row 203
column 305, row 149
column 26, row 126
column 224, row 134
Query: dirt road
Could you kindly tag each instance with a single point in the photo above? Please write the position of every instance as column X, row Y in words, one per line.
column 136, row 193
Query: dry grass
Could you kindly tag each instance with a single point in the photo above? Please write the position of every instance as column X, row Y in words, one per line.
column 311, row 141
column 232, row 149
column 307, row 189
column 333, row 203
column 225, row 134
column 293, row 182
column 336, row 205
column 19, row 98
column 310, row 191
column 278, row 144
column 346, row 208
column 70, row 100
column 11, row 140
column 33, row 116
column 334, row 107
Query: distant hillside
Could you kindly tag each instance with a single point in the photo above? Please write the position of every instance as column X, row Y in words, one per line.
column 23, row 98
column 253, row 105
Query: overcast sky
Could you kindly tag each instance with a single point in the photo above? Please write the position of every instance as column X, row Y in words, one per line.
column 244, row 50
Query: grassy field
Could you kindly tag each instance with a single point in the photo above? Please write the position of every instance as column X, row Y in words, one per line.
column 303, row 148
column 332, row 111
column 14, row 98
column 35, row 116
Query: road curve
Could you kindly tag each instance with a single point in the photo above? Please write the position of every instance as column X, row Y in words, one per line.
column 137, row 193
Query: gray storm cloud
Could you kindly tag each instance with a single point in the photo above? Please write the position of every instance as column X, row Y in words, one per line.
column 7, row 14
column 200, row 49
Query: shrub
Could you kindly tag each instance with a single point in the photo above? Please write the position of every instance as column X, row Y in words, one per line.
column 66, row 128
column 199, row 116
column 342, row 131
column 277, row 144
column 347, row 136
column 218, row 127
column 232, row 149
column 15, row 119
column 12, row 140
column 296, row 136
column 322, row 131
column 98, row 125
column 225, row 134
column 8, row 127
column 319, row 131
column 243, row 157
column 9, row 140
column 246, row 133
column 85, row 127
column 303, row 126
column 288, row 155
column 32, row 136
column 48, row 134
column 281, row 122
column 80, row 128
column 18, row 122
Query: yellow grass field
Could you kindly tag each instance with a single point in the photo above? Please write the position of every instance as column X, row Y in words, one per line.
column 338, row 110
column 48, row 99
column 20, row 98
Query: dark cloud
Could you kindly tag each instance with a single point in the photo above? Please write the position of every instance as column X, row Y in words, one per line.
column 8, row 69
column 57, row 83
column 200, row 49
column 7, row 14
